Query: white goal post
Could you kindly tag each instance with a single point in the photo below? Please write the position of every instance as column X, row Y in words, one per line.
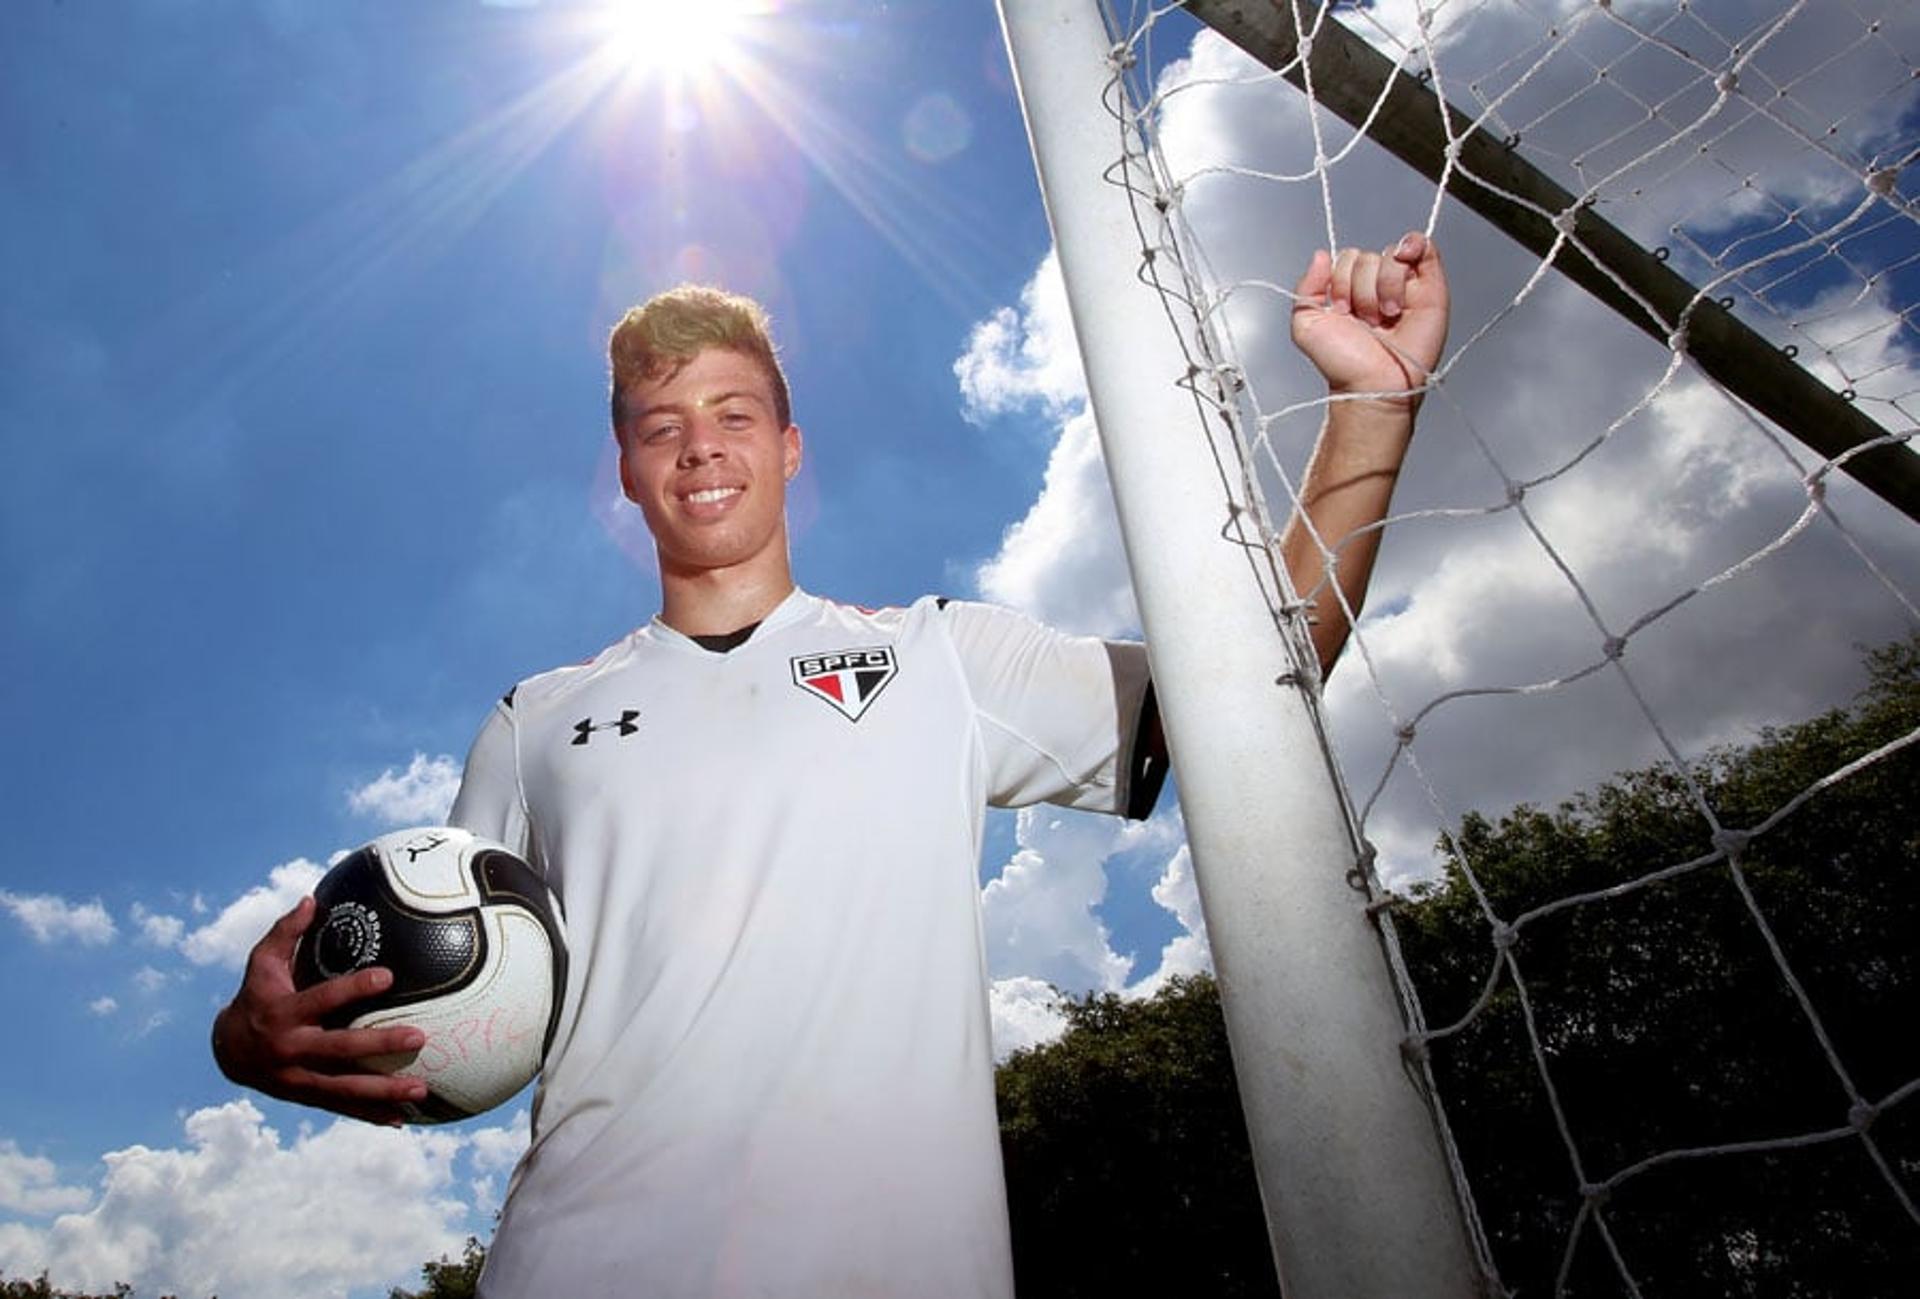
column 1656, row 533
column 1359, row 1200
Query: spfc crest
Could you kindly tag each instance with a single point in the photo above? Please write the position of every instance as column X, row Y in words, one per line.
column 850, row 680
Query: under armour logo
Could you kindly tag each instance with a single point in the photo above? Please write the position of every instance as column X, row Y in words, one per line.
column 626, row 725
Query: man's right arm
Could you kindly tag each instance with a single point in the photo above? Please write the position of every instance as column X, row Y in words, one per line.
column 271, row 1036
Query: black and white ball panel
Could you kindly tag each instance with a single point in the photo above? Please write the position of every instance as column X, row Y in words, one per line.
column 473, row 938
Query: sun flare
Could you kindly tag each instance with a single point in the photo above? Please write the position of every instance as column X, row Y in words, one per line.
column 677, row 37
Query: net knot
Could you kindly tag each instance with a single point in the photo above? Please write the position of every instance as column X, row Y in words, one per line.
column 1504, row 936
column 1306, row 48
column 1595, row 1193
column 1564, row 221
column 1120, row 58
column 1414, row 1050
column 1731, row 842
column 1380, row 906
column 1677, row 340
column 1614, row 646
column 1883, row 180
column 1817, row 490
column 1727, row 82
column 1516, row 493
column 1404, row 733
column 1861, row 1114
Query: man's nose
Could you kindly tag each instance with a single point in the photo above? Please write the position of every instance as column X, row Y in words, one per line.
column 702, row 442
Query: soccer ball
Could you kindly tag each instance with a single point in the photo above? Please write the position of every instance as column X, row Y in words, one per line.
column 473, row 937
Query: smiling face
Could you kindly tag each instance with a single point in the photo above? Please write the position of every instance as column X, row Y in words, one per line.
column 704, row 455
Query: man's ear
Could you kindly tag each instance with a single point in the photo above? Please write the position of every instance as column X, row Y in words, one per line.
column 790, row 454
column 620, row 459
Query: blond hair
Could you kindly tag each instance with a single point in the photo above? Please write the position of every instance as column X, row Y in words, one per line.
column 655, row 339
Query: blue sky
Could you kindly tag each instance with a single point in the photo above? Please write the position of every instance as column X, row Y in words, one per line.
column 302, row 398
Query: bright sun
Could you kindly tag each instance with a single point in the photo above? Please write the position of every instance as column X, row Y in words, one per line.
column 677, row 37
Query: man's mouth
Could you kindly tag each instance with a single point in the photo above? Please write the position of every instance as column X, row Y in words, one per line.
column 710, row 495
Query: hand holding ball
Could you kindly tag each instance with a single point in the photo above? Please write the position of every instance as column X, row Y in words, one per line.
column 473, row 937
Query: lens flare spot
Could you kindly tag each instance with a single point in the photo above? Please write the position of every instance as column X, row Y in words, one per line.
column 936, row 128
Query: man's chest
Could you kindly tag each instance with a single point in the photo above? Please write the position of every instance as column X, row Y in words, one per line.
column 831, row 720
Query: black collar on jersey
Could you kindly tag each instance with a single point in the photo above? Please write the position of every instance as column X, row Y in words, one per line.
column 726, row 640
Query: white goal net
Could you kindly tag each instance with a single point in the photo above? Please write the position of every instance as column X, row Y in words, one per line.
column 1629, row 724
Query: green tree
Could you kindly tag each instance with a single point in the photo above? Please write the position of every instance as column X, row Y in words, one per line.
column 1667, row 1022
column 1128, row 1170
column 449, row 1278
column 40, row 1288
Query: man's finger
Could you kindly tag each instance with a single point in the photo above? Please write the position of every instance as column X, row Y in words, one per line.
column 316, row 1087
column 348, row 1095
column 1311, row 292
column 1365, row 287
column 1342, row 293
column 359, row 1043
column 322, row 999
column 1391, row 286
column 278, row 942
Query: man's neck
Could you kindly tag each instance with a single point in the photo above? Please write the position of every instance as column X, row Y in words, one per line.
column 715, row 602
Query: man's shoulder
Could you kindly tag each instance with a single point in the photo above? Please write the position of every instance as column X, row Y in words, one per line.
column 555, row 684
column 888, row 619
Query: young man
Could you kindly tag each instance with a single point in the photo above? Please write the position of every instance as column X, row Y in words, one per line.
column 773, row 1073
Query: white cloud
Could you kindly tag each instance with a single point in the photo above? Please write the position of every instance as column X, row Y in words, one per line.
column 1039, row 911
column 420, row 795
column 1188, row 952
column 29, row 1184
column 1674, row 495
column 158, row 929
column 52, row 919
column 235, row 1212
column 102, row 1006
column 229, row 936
column 1017, row 359
column 149, row 980
column 1026, row 1013
column 494, row 1152
column 1063, row 562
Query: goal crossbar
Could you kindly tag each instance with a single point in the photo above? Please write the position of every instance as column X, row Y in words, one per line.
column 1489, row 176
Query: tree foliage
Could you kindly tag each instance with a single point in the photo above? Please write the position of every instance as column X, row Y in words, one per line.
column 1668, row 1024
column 41, row 1288
column 1128, row 1170
column 449, row 1278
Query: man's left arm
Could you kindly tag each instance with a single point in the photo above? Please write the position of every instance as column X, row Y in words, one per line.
column 1371, row 323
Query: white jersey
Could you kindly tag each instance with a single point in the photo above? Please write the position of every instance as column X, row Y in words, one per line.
column 772, row 1074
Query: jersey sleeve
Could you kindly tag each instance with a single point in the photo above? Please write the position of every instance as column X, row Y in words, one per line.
column 1062, row 719
column 490, row 803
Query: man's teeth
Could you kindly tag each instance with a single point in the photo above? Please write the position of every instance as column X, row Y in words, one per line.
column 708, row 495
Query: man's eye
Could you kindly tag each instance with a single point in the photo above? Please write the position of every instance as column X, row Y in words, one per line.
column 737, row 419
column 659, row 433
